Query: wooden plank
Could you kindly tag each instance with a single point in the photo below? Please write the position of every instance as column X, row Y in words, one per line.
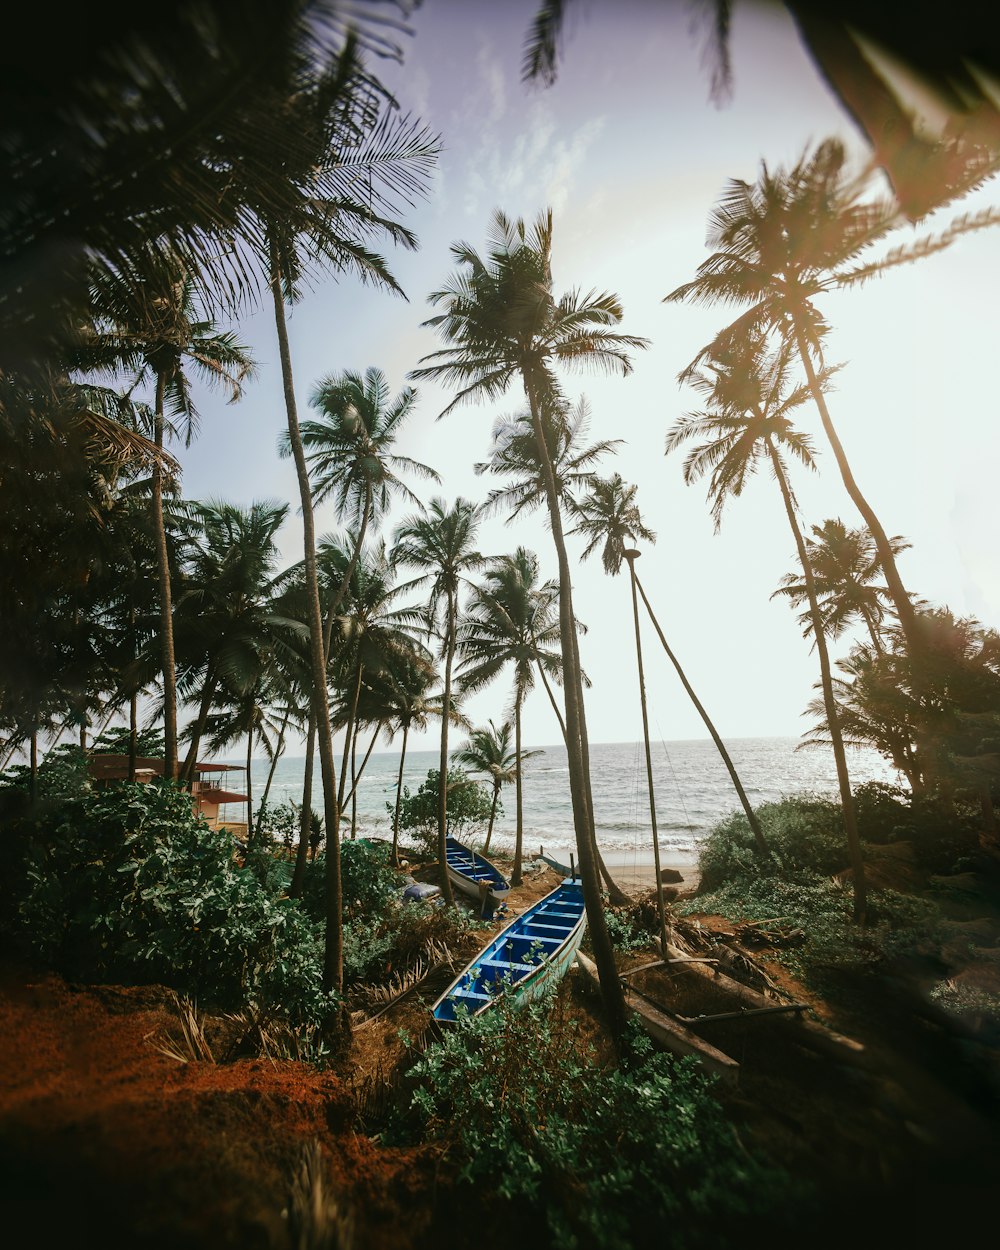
column 671, row 1034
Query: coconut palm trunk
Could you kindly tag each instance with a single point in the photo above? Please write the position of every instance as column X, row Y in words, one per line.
column 493, row 816
column 615, row 893
column 333, row 963
column 833, row 721
column 249, row 788
column 630, row 556
column 204, row 707
column 450, row 641
column 348, row 738
column 516, row 876
column 166, row 606
column 399, row 796
column 133, row 734
column 345, row 581
column 578, row 762
column 758, row 833
column 279, row 751
column 305, row 814
column 900, row 598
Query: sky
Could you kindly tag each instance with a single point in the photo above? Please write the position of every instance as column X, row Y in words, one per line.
column 631, row 154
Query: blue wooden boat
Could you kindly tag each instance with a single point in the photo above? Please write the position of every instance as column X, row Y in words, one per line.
column 468, row 872
column 532, row 952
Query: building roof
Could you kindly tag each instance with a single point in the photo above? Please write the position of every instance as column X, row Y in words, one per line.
column 212, row 794
column 106, row 766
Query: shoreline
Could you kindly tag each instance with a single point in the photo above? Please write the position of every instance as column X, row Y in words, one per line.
column 635, row 871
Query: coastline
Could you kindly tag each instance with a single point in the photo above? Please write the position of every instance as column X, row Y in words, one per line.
column 635, row 871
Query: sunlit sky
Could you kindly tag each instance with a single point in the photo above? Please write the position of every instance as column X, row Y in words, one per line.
column 631, row 154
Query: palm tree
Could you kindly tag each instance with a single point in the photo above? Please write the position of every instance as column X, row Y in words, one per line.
column 749, row 422
column 610, row 518
column 371, row 635
column 153, row 328
column 501, row 323
column 233, row 630
column 351, row 161
column 405, row 695
column 511, row 619
column 488, row 751
column 350, row 457
column 514, row 454
column 846, row 567
column 442, row 543
column 779, row 244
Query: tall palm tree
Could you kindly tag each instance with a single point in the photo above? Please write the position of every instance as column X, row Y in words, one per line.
column 149, row 324
column 748, row 422
column 441, row 543
column 502, row 323
column 350, row 457
column 355, row 157
column 511, row 620
column 488, row 751
column 779, row 244
column 514, row 454
column 610, row 518
column 847, row 571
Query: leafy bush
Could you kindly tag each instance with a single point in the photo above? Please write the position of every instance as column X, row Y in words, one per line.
column 368, row 880
column 61, row 774
column 821, row 909
column 613, row 1158
column 626, row 928
column 129, row 884
column 882, row 811
column 468, row 807
column 804, row 832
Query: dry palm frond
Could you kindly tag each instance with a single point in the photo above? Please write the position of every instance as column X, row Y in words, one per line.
column 318, row 1219
column 436, row 957
column 276, row 1039
column 191, row 1045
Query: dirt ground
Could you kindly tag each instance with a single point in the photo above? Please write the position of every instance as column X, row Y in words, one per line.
column 105, row 1140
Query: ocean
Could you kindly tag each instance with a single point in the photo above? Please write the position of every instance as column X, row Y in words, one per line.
column 692, row 786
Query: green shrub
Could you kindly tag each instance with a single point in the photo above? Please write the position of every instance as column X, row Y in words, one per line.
column 804, row 832
column 635, row 1155
column 821, row 910
column 368, row 881
column 469, row 806
column 128, row 884
column 882, row 811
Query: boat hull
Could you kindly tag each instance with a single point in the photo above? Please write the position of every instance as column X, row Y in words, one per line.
column 467, row 870
column 523, row 960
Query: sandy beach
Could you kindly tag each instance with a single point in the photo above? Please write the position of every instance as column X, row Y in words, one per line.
column 635, row 871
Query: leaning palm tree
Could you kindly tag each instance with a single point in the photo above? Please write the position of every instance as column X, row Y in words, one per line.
column 441, row 544
column 848, row 580
column 350, row 456
column 748, row 422
column 489, row 751
column 502, row 323
column 779, row 244
column 511, row 620
column 149, row 325
column 610, row 519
